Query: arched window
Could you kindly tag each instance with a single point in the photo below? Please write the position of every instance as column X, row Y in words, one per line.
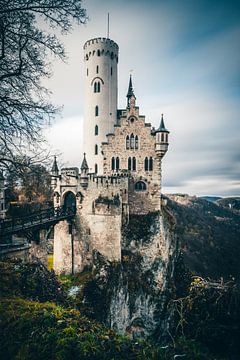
column 129, row 163
column 96, row 130
column 98, row 86
column 98, row 53
column 134, row 164
column 140, row 186
column 132, row 141
column 113, row 163
column 117, row 163
column 127, row 142
column 146, row 164
column 96, row 149
column 136, row 142
column 162, row 137
column 96, row 169
column 96, row 110
column 150, row 164
column 97, row 69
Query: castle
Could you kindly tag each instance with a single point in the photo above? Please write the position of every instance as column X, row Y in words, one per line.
column 120, row 174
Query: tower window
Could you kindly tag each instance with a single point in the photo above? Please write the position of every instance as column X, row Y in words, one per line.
column 97, row 86
column 96, row 130
column 132, row 141
column 98, row 53
column 151, row 164
column 146, row 164
column 136, row 142
column 134, row 164
column 96, row 169
column 129, row 163
column 162, row 137
column 140, row 186
column 97, row 69
column 117, row 163
column 166, row 137
column 96, row 110
column 96, row 149
column 113, row 163
column 127, row 143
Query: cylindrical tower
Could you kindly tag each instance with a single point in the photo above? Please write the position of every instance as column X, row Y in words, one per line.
column 101, row 88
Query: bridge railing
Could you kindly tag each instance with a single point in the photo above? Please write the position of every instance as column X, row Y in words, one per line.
column 35, row 218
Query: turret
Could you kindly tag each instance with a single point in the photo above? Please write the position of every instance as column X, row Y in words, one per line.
column 101, row 59
column 161, row 135
column 54, row 173
column 131, row 98
column 2, row 196
column 84, row 172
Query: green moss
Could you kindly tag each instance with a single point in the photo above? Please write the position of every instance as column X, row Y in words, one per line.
column 30, row 330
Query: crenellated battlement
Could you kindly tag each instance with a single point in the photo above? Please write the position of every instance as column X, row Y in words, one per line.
column 99, row 41
column 99, row 47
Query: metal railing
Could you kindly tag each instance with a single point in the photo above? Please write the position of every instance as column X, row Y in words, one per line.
column 35, row 220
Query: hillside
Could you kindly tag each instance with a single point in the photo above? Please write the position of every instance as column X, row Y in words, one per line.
column 208, row 234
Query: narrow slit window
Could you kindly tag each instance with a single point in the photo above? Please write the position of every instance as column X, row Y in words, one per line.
column 150, row 164
column 134, row 166
column 96, row 149
column 96, row 130
column 136, row 142
column 132, row 141
column 97, row 69
column 96, row 169
column 129, row 163
column 117, row 163
column 96, row 110
column 146, row 164
column 113, row 163
column 127, row 143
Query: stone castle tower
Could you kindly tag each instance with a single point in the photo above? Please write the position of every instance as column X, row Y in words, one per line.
column 120, row 174
column 101, row 60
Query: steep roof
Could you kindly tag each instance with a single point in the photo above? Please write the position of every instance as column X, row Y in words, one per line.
column 161, row 126
column 130, row 88
column 55, row 166
column 84, row 165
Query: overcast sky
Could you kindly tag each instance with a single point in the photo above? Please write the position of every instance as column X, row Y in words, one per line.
column 185, row 57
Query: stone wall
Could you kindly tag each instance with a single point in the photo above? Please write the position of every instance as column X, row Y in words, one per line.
column 133, row 123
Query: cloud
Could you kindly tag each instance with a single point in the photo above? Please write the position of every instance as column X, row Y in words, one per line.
column 186, row 61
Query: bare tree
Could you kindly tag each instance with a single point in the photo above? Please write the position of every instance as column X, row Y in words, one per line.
column 24, row 50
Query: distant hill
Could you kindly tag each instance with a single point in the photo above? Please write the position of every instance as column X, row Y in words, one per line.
column 232, row 203
column 208, row 234
column 211, row 198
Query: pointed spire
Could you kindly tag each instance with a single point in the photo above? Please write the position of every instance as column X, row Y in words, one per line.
column 130, row 88
column 84, row 165
column 55, row 166
column 162, row 126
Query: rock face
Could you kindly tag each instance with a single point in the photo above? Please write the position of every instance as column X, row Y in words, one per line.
column 135, row 292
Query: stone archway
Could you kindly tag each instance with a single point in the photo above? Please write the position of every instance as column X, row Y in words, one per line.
column 69, row 201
